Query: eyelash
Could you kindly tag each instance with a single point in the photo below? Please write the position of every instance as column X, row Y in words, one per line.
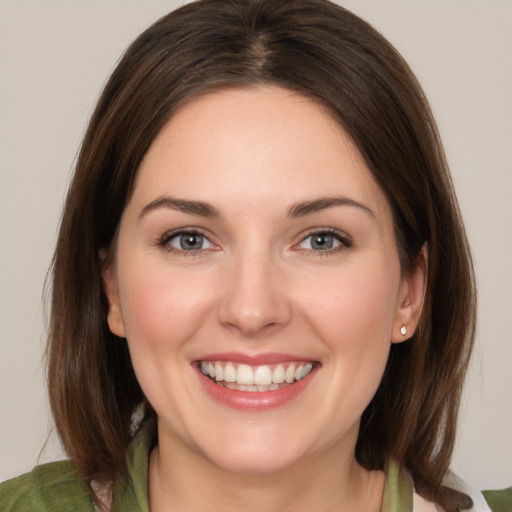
column 164, row 242
column 344, row 242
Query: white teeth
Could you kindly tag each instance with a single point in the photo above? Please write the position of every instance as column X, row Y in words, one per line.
column 219, row 372
column 260, row 378
column 263, row 376
column 290, row 374
column 278, row 374
column 241, row 387
column 244, row 375
column 229, row 373
column 302, row 371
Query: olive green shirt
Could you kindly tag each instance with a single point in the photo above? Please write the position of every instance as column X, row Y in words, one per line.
column 56, row 487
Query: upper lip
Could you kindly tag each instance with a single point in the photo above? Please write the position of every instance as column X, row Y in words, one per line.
column 255, row 359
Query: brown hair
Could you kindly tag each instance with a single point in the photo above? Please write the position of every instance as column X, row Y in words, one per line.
column 322, row 51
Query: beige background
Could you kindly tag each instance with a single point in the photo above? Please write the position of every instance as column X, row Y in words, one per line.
column 56, row 54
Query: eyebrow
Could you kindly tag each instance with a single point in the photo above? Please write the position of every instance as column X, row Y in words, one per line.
column 308, row 207
column 203, row 209
column 199, row 208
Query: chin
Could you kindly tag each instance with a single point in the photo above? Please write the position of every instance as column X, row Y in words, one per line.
column 250, row 463
column 255, row 456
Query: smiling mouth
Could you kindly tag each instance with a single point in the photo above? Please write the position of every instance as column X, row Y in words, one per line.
column 243, row 377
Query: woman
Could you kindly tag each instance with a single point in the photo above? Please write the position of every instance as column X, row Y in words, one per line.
column 262, row 287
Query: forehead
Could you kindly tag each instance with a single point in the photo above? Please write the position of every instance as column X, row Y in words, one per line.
column 254, row 145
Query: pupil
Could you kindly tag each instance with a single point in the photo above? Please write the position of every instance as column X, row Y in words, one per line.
column 191, row 241
column 322, row 242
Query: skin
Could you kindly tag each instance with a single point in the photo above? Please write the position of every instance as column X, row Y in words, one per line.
column 257, row 285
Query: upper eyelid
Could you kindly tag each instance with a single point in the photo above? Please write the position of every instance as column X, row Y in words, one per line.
column 344, row 240
column 341, row 235
column 178, row 231
column 168, row 235
column 164, row 243
column 327, row 231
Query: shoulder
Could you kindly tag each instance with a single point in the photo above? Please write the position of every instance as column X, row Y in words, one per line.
column 499, row 501
column 50, row 487
column 484, row 501
column 400, row 495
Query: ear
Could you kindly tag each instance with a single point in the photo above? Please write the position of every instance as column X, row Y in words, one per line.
column 410, row 299
column 115, row 313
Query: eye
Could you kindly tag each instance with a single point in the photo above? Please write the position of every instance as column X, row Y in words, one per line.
column 186, row 241
column 325, row 240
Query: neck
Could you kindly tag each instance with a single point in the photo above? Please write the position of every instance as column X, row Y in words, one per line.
column 325, row 482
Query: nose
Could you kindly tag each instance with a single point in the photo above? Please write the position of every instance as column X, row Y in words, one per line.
column 254, row 299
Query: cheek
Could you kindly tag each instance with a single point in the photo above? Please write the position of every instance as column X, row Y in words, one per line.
column 162, row 309
column 354, row 318
column 354, row 301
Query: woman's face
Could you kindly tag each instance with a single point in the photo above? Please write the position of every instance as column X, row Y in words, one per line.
column 257, row 248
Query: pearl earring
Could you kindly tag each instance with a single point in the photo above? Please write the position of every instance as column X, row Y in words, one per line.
column 403, row 330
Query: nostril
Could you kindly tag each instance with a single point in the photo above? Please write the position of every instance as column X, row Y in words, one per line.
column 251, row 300
column 253, row 321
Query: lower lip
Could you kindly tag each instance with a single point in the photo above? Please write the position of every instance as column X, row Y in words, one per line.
column 255, row 400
